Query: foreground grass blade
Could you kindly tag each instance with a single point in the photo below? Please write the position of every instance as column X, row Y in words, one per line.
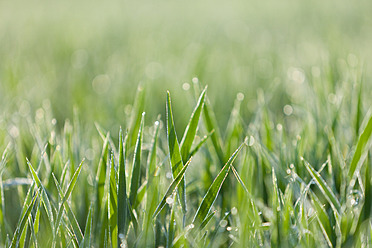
column 136, row 169
column 152, row 190
column 101, row 173
column 174, row 153
column 362, row 142
column 214, row 189
column 22, row 223
column 323, row 219
column 67, row 195
column 71, row 216
column 171, row 188
column 44, row 197
column 122, row 190
column 326, row 190
column 112, row 204
column 190, row 131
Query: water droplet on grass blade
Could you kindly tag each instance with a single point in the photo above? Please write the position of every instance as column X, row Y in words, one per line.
column 223, row 223
column 169, row 200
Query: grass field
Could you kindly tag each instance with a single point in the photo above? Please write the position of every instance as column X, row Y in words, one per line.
column 185, row 124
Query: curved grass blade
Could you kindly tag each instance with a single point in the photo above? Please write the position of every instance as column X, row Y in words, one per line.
column 214, row 189
column 171, row 188
column 362, row 142
column 175, row 154
column 326, row 190
column 190, row 131
column 136, row 169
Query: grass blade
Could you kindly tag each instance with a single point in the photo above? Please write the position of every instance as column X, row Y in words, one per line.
column 326, row 190
column 44, row 197
column 136, row 169
column 67, row 195
column 88, row 229
column 171, row 188
column 175, row 154
column 362, row 142
column 112, row 209
column 190, row 131
column 135, row 122
column 122, row 190
column 22, row 223
column 71, row 216
column 214, row 189
column 211, row 125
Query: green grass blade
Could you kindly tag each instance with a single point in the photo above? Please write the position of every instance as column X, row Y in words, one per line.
column 323, row 219
column 71, row 216
column 199, row 145
column 362, row 142
column 191, row 128
column 44, row 196
column 136, row 116
column 112, row 204
column 207, row 219
column 214, row 189
column 123, row 218
column 66, row 196
column 136, row 169
column 22, row 224
column 323, row 186
column 211, row 125
column 87, row 241
column 151, row 161
column 236, row 174
column 174, row 153
column 101, row 174
column 171, row 188
column 152, row 189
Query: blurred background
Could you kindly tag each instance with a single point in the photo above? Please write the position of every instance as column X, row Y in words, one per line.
column 92, row 55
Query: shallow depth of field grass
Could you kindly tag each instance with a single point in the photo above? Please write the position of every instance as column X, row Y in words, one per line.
column 171, row 124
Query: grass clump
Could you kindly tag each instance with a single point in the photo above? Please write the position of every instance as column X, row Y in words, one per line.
column 301, row 178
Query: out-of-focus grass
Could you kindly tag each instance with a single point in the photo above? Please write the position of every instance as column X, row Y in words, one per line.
column 292, row 77
column 93, row 55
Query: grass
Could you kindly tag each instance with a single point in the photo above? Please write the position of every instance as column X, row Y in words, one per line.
column 275, row 152
column 273, row 190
